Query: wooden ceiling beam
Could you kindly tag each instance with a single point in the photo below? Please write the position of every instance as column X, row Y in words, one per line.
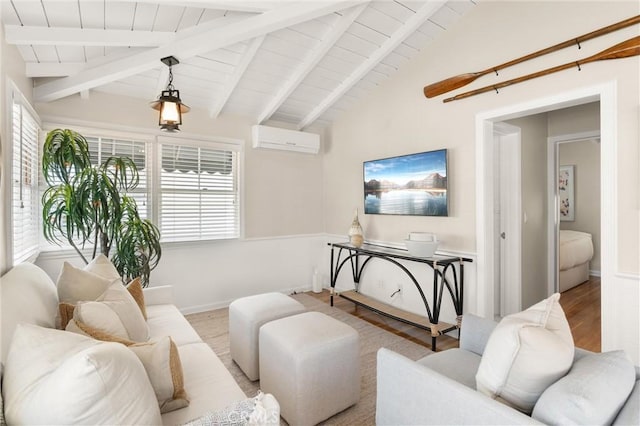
column 52, row 69
column 256, row 6
column 190, row 45
column 238, row 72
column 315, row 56
column 45, row 36
column 410, row 25
column 64, row 69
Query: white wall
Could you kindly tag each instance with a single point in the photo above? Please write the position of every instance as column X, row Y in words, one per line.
column 397, row 119
column 210, row 275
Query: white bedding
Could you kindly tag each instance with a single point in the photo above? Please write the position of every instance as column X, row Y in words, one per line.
column 575, row 248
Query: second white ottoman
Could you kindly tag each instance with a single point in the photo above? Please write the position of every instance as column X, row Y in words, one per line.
column 246, row 316
column 311, row 363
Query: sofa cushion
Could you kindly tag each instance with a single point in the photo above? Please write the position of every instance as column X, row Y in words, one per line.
column 55, row 377
column 527, row 352
column 166, row 320
column 28, row 295
column 162, row 362
column 457, row 364
column 208, row 383
column 593, row 391
column 114, row 312
column 630, row 413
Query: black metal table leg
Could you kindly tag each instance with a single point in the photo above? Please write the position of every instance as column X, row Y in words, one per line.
column 333, row 278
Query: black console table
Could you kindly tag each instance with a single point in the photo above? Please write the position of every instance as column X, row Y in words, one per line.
column 440, row 265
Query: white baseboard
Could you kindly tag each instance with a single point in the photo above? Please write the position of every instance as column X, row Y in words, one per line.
column 219, row 305
column 594, row 273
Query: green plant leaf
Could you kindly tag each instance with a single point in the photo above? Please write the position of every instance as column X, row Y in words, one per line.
column 87, row 204
column 65, row 153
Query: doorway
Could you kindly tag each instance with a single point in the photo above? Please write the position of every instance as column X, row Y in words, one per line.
column 580, row 218
column 487, row 229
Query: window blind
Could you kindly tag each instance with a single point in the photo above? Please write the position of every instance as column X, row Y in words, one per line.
column 102, row 148
column 25, row 192
column 198, row 193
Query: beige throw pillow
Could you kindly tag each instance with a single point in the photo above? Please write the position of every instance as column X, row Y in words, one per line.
column 78, row 327
column 55, row 377
column 65, row 312
column 161, row 361
column 114, row 313
column 525, row 354
column 164, row 368
column 75, row 284
column 135, row 289
column 102, row 266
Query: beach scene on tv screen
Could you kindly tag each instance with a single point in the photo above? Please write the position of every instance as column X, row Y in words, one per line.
column 413, row 184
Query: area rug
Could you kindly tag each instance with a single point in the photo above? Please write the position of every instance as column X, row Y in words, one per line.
column 213, row 327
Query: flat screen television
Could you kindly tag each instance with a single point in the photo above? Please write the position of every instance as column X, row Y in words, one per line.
column 414, row 184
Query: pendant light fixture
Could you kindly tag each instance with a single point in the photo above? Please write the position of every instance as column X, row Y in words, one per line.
column 169, row 104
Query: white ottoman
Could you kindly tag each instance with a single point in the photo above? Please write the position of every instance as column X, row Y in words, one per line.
column 311, row 363
column 246, row 316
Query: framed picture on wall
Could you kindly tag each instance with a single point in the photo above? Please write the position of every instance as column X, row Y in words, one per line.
column 414, row 184
column 566, row 188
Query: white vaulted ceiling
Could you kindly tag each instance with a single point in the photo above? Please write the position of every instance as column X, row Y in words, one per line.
column 298, row 62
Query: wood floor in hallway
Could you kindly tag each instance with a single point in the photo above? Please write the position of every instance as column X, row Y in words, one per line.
column 581, row 305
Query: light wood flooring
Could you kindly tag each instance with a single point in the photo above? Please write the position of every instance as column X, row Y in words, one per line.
column 581, row 305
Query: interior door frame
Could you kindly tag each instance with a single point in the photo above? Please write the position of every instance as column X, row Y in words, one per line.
column 553, row 229
column 606, row 93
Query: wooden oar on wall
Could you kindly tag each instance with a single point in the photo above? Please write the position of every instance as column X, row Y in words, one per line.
column 625, row 49
column 458, row 81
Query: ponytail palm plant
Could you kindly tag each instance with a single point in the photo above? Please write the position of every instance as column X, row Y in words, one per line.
column 87, row 204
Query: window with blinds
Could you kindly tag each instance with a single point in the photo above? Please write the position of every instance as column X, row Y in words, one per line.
column 102, row 148
column 25, row 191
column 198, row 193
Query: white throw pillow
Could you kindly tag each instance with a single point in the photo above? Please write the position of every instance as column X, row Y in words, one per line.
column 593, row 392
column 114, row 313
column 55, row 377
column 525, row 354
column 102, row 266
column 162, row 362
column 75, row 284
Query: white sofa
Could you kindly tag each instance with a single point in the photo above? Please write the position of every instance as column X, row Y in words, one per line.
column 28, row 295
column 440, row 389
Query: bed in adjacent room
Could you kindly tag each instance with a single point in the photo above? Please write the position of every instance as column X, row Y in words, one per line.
column 575, row 252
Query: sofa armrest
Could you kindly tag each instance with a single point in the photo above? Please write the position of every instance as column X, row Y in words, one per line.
column 413, row 394
column 475, row 332
column 161, row 295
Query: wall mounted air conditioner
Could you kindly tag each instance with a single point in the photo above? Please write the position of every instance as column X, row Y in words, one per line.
column 285, row 139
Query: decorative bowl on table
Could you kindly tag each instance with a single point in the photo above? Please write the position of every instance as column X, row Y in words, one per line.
column 421, row 244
